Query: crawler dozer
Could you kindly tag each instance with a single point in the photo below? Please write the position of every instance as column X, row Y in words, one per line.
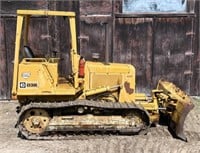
column 97, row 97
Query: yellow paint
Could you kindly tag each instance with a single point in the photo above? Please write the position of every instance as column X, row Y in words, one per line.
column 16, row 58
column 172, row 96
column 43, row 72
column 45, row 13
column 44, row 75
column 38, row 77
column 100, row 75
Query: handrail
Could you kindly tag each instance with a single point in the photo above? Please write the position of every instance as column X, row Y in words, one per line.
column 48, row 73
column 34, row 60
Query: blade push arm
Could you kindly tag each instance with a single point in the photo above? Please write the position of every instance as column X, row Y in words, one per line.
column 177, row 105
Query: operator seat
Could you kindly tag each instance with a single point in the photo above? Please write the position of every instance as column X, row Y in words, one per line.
column 28, row 52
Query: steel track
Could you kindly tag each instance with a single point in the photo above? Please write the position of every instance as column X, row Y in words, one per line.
column 95, row 104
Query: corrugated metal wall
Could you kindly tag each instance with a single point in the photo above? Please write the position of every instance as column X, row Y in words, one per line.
column 160, row 46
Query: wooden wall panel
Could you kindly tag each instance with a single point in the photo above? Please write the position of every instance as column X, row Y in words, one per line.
column 10, row 26
column 61, row 43
column 10, row 7
column 173, row 51
column 94, row 15
column 95, row 7
column 195, row 90
column 133, row 45
column 39, row 36
column 59, row 39
column 3, row 62
column 92, row 40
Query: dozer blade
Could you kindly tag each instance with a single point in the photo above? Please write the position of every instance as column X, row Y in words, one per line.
column 178, row 118
column 178, row 104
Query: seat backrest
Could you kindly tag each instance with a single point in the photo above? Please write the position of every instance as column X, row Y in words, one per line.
column 28, row 52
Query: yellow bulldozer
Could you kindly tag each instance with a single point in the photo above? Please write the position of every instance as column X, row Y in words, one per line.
column 96, row 97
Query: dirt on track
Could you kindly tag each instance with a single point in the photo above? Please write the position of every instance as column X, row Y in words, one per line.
column 157, row 140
